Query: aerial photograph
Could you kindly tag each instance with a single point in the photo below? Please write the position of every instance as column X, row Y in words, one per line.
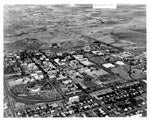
column 63, row 60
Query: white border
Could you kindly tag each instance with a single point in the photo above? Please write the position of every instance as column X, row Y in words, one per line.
column 11, row 2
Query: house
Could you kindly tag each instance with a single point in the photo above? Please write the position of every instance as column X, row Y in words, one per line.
column 108, row 65
column 87, row 48
column 55, row 45
column 59, row 62
column 86, row 62
column 120, row 63
column 78, row 57
column 97, row 52
column 35, row 89
column 74, row 99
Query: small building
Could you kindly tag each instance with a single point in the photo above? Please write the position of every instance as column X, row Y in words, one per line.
column 87, row 48
column 74, row 99
column 55, row 45
column 31, row 66
column 67, row 81
column 86, row 62
column 35, row 89
column 59, row 62
column 59, row 54
column 120, row 63
column 39, row 72
column 108, row 65
column 98, row 53
column 78, row 57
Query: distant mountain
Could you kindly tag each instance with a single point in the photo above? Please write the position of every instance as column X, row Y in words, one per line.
column 24, row 44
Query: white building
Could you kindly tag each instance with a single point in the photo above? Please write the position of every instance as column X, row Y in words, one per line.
column 108, row 65
column 35, row 89
column 74, row 99
column 120, row 63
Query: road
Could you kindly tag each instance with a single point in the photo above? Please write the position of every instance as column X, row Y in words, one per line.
column 12, row 108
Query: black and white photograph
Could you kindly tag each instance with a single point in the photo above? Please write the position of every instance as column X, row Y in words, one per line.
column 74, row 60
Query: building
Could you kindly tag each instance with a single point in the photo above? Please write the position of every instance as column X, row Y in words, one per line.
column 87, row 48
column 35, row 89
column 108, row 65
column 74, row 99
column 120, row 63
column 55, row 45
column 97, row 52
